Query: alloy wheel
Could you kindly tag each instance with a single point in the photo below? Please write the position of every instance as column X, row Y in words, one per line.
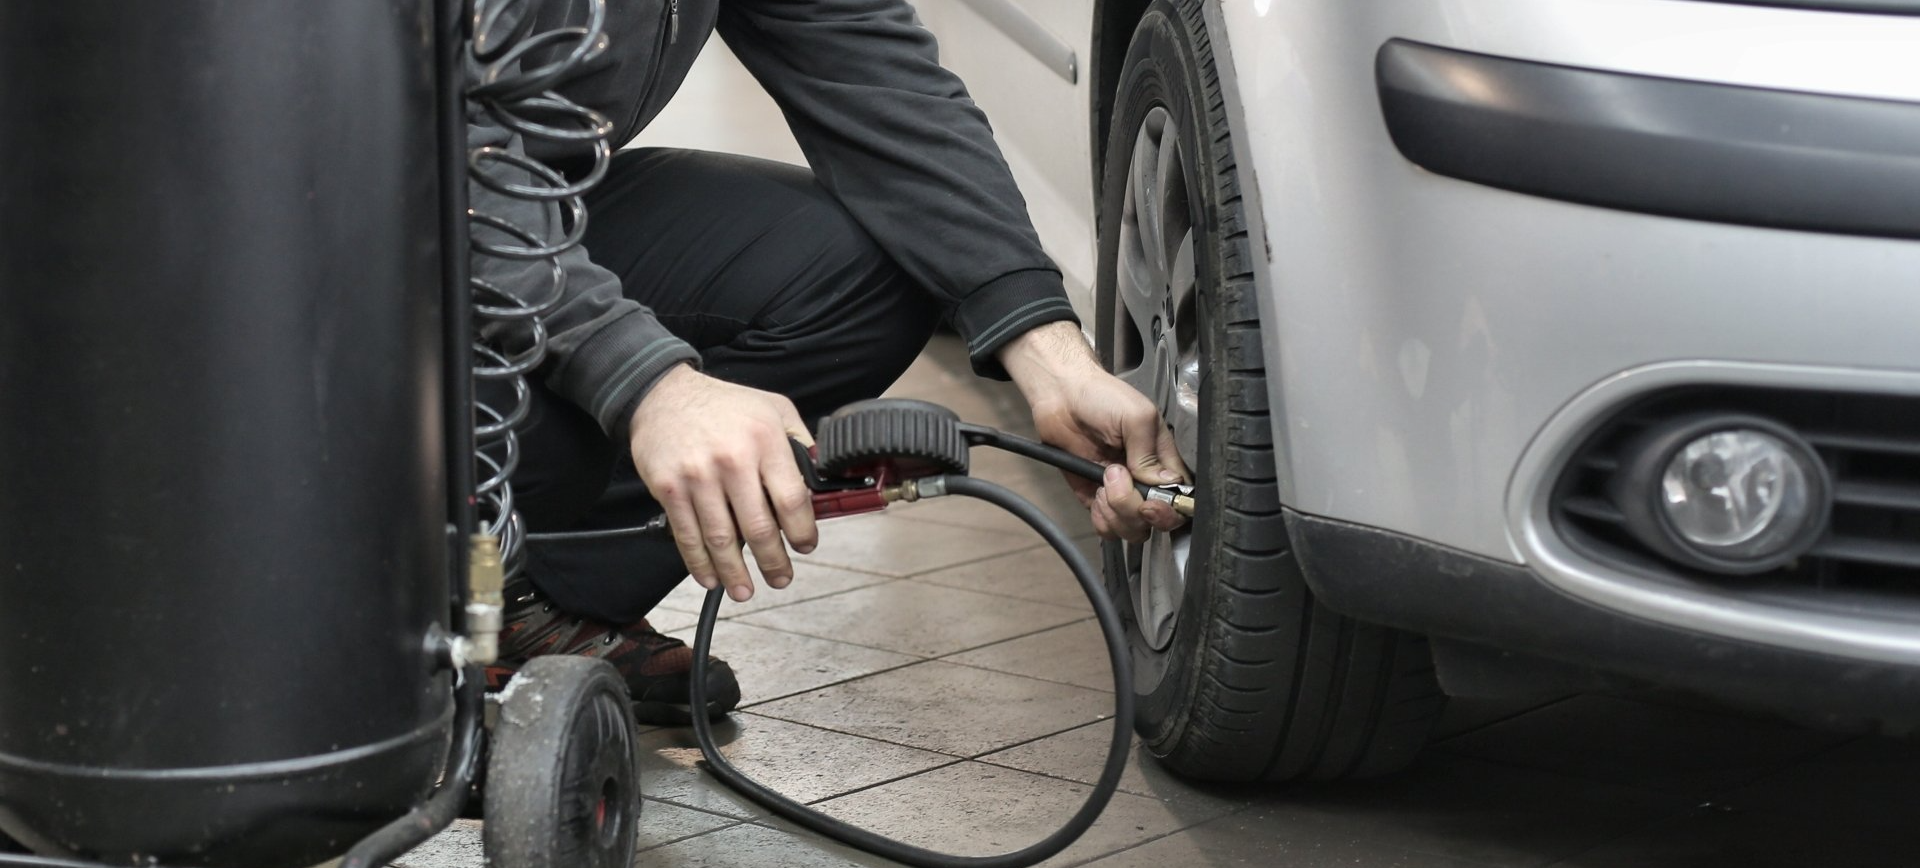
column 1156, row 345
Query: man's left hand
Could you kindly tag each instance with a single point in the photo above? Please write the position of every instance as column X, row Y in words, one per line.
column 1080, row 407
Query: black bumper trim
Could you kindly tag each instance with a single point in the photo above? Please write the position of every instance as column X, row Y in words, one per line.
column 1419, row 586
column 1714, row 152
column 1873, row 7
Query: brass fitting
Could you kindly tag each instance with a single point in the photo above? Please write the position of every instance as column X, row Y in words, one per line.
column 915, row 489
column 486, row 600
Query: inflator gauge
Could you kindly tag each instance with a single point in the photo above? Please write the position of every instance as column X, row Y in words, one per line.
column 890, row 450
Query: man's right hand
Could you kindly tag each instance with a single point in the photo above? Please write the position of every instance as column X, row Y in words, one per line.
column 716, row 456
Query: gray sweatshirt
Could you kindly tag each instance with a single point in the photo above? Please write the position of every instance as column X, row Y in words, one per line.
column 888, row 132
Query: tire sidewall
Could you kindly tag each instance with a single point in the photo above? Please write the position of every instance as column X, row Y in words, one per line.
column 1161, row 69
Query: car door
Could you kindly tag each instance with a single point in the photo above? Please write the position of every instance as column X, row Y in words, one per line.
column 1024, row 62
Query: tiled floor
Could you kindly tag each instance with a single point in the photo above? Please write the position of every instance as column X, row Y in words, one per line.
column 933, row 674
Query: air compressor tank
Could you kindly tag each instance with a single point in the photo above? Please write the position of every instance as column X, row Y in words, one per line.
column 223, row 526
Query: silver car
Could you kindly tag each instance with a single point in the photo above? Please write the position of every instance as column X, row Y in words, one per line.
column 1517, row 345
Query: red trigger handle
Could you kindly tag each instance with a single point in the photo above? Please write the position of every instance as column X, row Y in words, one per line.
column 833, row 498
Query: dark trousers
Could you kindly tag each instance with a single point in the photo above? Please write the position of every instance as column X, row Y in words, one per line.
column 771, row 280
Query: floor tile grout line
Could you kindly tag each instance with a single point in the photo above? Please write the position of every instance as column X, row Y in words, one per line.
column 1079, row 603
column 736, row 821
column 885, row 741
column 695, row 808
column 954, row 565
column 1502, row 719
column 1103, row 718
column 952, row 761
column 982, row 759
column 802, row 560
column 1082, row 618
column 1018, row 527
column 759, row 702
column 967, row 585
column 918, row 658
column 884, row 580
column 960, row 526
column 1105, row 688
column 926, row 771
column 922, row 658
column 732, row 823
column 956, row 758
column 915, row 662
column 923, row 748
column 997, row 642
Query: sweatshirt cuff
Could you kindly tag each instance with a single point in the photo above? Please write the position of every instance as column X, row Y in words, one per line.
column 617, row 368
column 1006, row 308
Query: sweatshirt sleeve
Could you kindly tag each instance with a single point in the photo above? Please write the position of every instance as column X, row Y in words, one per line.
column 897, row 140
column 604, row 350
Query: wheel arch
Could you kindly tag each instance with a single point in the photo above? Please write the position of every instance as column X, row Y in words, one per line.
column 1113, row 24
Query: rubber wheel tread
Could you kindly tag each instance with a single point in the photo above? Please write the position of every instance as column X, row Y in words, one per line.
column 561, row 761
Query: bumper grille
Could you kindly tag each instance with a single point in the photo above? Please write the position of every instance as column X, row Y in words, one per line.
column 1870, row 444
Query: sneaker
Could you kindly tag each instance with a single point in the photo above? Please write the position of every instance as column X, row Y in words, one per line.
column 658, row 668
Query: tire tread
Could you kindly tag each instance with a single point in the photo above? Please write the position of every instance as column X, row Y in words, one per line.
column 1286, row 689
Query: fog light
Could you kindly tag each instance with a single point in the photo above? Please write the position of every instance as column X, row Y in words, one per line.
column 1730, row 494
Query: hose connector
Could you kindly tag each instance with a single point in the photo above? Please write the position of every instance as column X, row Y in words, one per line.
column 915, row 489
column 486, row 601
column 1180, row 497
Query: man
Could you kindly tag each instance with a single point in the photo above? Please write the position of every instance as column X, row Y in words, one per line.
column 722, row 302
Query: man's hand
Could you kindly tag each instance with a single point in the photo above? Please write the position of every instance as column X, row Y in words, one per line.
column 716, row 456
column 1080, row 407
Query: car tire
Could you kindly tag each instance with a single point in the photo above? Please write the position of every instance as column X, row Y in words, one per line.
column 1240, row 675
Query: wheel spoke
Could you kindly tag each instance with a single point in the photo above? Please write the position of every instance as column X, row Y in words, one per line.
column 1158, row 576
column 1184, row 273
column 1140, row 378
column 1170, row 191
column 1143, row 179
column 1139, row 295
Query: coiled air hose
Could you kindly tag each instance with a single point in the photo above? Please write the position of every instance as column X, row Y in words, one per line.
column 877, row 452
column 1118, row 657
column 911, row 450
column 513, row 73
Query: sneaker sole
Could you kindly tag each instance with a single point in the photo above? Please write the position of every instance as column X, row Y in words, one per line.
column 655, row 713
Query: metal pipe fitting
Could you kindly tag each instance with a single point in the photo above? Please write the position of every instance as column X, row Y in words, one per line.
column 915, row 489
column 486, row 602
column 1180, row 497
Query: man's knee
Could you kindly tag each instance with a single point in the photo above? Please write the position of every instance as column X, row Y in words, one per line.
column 565, row 460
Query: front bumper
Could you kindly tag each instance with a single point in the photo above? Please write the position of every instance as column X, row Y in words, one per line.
column 1442, row 335
column 1421, row 330
column 1396, row 580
